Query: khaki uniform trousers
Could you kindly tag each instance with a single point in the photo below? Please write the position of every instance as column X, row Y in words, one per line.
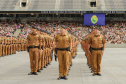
column 70, row 59
column 4, row 50
column 88, row 58
column 11, row 49
column 33, row 54
column 45, row 57
column 19, row 47
column 22, row 46
column 16, row 47
column 25, row 47
column 39, row 59
column 0, row 49
column 97, row 57
column 8, row 49
column 50, row 55
column 63, row 58
column 42, row 58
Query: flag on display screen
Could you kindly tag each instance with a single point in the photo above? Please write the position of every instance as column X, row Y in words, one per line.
column 93, row 19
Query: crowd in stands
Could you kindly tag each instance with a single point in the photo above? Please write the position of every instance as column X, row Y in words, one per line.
column 114, row 32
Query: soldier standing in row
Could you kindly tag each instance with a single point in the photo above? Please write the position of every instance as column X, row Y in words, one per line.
column 97, row 43
column 63, row 44
column 34, row 43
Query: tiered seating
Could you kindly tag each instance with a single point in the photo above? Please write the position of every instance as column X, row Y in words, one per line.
column 7, row 4
column 65, row 5
column 42, row 5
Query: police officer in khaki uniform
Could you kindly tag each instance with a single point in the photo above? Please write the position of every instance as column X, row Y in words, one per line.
column 14, row 45
column 4, row 46
column 19, row 44
column 25, row 45
column 97, row 43
column 42, row 51
column 34, row 43
column 8, row 45
column 39, row 54
column 63, row 44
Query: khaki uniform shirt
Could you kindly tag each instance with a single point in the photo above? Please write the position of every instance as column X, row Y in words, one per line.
column 63, row 41
column 96, row 41
column 33, row 39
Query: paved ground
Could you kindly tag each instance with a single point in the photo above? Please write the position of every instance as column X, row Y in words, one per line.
column 14, row 70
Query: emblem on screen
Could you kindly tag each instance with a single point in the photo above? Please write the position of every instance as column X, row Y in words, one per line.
column 94, row 19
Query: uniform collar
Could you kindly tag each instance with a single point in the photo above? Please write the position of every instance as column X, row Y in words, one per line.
column 97, row 35
column 34, row 33
column 63, row 35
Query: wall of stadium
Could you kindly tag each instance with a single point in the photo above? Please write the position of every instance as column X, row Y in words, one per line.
column 115, row 45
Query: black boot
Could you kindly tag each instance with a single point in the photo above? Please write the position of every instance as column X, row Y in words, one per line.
column 71, row 64
column 49, row 63
column 45, row 67
column 94, row 74
column 31, row 73
column 59, row 78
column 98, row 74
column 38, row 71
column 35, row 73
column 41, row 69
column 91, row 71
column 65, row 78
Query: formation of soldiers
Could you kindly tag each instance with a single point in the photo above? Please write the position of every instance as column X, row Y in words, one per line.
column 40, row 47
column 84, row 46
column 65, row 49
column 9, row 45
column 93, row 45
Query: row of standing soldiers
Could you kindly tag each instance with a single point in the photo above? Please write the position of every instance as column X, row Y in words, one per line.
column 40, row 48
column 9, row 45
column 94, row 45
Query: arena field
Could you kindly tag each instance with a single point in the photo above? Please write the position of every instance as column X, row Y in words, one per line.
column 15, row 71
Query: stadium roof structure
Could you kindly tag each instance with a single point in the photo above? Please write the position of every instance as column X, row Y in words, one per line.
column 63, row 5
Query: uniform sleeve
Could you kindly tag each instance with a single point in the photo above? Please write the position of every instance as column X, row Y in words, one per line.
column 28, row 37
column 55, row 39
column 90, row 40
column 70, row 39
column 42, row 39
column 103, row 40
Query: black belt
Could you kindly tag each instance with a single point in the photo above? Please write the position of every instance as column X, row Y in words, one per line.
column 19, row 43
column 63, row 49
column 97, row 48
column 33, row 47
column 42, row 47
column 90, row 49
column 56, row 50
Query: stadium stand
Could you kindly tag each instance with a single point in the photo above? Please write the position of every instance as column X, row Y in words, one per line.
column 73, row 5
